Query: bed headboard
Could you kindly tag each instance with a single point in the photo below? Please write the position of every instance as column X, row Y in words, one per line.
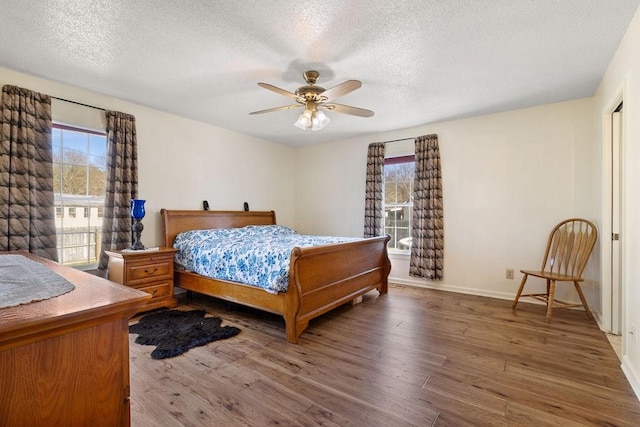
column 177, row 221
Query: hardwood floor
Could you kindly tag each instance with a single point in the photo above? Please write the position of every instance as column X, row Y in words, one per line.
column 414, row 357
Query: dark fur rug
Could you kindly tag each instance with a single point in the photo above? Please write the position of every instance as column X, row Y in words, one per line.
column 173, row 332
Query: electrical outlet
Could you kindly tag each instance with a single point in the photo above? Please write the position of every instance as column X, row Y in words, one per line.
column 632, row 332
column 509, row 273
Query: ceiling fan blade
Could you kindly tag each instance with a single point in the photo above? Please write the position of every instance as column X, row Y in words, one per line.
column 341, row 89
column 280, row 91
column 285, row 107
column 347, row 109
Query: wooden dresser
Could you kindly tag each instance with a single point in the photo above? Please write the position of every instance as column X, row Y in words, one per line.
column 65, row 360
column 148, row 271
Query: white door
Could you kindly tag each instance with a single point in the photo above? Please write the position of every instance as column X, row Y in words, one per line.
column 616, row 290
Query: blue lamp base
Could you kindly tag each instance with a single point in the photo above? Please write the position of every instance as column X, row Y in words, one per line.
column 137, row 228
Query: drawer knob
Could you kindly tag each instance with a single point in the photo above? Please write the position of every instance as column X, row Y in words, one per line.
column 146, row 270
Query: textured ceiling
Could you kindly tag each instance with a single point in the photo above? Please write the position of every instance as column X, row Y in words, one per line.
column 419, row 61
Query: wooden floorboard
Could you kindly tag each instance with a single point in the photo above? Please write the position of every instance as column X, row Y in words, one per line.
column 413, row 357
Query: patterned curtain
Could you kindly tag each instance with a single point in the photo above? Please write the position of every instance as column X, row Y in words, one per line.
column 122, row 184
column 374, row 190
column 427, row 234
column 27, row 213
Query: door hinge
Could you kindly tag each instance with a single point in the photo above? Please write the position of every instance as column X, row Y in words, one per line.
column 615, row 236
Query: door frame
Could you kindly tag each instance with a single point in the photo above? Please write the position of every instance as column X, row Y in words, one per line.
column 606, row 319
column 617, row 122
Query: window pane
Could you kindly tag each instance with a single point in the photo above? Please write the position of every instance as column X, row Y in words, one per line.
column 74, row 179
column 56, row 141
column 391, row 215
column 97, row 181
column 80, row 180
column 390, row 184
column 57, row 178
column 398, row 187
column 404, row 179
column 74, row 156
column 404, row 240
column 97, row 150
column 398, row 182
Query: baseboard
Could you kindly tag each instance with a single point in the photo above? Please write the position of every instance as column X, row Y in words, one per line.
column 452, row 288
column 473, row 291
column 632, row 375
column 599, row 321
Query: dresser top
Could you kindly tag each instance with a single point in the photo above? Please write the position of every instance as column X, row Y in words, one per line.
column 92, row 298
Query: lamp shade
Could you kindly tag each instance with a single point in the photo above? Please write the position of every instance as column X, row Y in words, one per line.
column 319, row 120
column 137, row 209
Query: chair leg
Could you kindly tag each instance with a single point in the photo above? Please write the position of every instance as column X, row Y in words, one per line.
column 550, row 297
column 584, row 301
column 515, row 301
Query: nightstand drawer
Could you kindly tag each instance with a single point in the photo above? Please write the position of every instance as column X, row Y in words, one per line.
column 141, row 273
column 157, row 289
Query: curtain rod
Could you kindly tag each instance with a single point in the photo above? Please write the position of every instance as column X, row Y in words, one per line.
column 78, row 103
column 398, row 140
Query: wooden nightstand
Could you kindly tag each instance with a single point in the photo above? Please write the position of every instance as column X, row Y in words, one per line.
column 148, row 271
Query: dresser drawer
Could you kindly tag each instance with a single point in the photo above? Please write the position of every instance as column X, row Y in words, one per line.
column 146, row 272
column 157, row 290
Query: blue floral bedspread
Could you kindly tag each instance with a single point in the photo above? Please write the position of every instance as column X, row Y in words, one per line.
column 255, row 255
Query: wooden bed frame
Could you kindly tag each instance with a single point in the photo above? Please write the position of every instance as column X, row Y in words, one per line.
column 320, row 278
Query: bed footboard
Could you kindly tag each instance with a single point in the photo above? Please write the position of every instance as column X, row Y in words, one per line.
column 324, row 277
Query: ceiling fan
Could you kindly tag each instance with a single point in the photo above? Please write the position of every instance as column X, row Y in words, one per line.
column 315, row 98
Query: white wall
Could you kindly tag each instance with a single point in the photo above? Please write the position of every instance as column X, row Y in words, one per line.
column 508, row 178
column 623, row 74
column 182, row 162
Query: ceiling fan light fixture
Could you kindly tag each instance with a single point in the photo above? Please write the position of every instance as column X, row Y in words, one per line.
column 312, row 119
column 319, row 121
column 304, row 122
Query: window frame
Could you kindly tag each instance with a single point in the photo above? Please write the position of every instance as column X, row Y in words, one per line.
column 395, row 160
column 91, row 241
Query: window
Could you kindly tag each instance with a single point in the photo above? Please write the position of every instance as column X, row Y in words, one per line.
column 79, row 173
column 398, row 201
